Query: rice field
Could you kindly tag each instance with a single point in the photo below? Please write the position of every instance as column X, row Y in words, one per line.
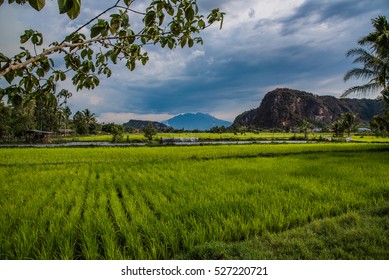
column 206, row 136
column 162, row 202
column 202, row 136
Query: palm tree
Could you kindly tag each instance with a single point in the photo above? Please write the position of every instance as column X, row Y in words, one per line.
column 379, row 39
column 66, row 95
column 375, row 69
column 65, row 112
column 304, row 126
column 90, row 120
column 348, row 122
column 337, row 127
column 80, row 123
column 375, row 61
column 46, row 110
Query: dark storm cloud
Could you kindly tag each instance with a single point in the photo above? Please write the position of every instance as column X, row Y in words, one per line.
column 316, row 12
column 263, row 45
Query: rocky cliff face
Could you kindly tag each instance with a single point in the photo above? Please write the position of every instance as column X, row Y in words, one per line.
column 287, row 108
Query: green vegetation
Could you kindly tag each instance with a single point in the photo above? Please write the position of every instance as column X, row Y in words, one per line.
column 204, row 136
column 311, row 201
column 150, row 131
column 248, row 136
column 117, row 32
column 374, row 59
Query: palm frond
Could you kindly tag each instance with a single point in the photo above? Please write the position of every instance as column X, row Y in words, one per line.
column 375, row 60
column 366, row 89
column 359, row 73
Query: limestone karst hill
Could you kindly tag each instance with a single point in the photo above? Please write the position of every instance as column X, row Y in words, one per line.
column 286, row 108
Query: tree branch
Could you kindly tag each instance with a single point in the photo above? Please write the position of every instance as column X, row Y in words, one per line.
column 93, row 19
column 15, row 66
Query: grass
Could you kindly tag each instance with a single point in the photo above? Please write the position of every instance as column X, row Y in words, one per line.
column 203, row 136
column 370, row 139
column 356, row 235
column 249, row 136
column 256, row 201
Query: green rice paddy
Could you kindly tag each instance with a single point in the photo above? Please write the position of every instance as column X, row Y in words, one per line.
column 248, row 136
column 195, row 202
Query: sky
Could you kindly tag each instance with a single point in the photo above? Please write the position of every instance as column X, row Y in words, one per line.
column 263, row 45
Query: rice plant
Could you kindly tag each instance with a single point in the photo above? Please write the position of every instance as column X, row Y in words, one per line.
column 162, row 202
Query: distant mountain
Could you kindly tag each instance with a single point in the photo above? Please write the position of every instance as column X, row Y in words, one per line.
column 138, row 124
column 286, row 108
column 198, row 121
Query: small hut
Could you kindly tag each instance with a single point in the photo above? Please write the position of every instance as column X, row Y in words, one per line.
column 65, row 131
column 38, row 136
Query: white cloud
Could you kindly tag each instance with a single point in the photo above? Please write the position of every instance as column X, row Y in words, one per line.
column 196, row 53
column 263, row 44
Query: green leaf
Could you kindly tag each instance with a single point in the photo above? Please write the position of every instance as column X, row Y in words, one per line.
column 95, row 30
column 150, row 18
column 37, row 4
column 114, row 27
column 96, row 81
column 101, row 27
column 90, row 53
column 75, row 10
column 16, row 99
column 144, row 60
column 201, row 24
column 125, row 20
column 24, row 38
column 175, row 28
column 131, row 64
column 65, row 6
column 190, row 42
column 189, row 13
column 37, row 39
column 9, row 76
column 131, row 37
column 170, row 10
column 40, row 72
column 161, row 18
column 143, row 39
column 84, row 53
column 3, row 58
column 45, row 64
column 114, row 55
column 127, row 2
column 183, row 42
column 221, row 22
column 62, row 76
column 51, row 62
column 171, row 43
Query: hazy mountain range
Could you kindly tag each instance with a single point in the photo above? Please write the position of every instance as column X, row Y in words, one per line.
column 198, row 121
column 138, row 124
column 189, row 121
column 281, row 108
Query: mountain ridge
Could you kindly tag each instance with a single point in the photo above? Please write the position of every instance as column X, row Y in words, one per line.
column 195, row 121
column 141, row 124
column 286, row 108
